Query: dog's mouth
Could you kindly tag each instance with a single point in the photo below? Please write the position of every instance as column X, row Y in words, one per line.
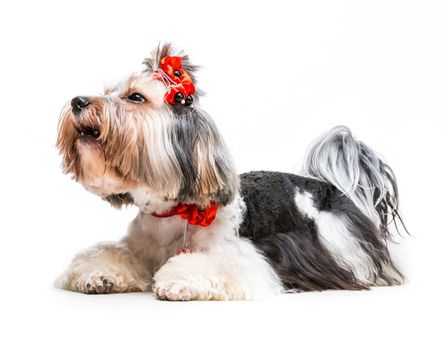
column 88, row 132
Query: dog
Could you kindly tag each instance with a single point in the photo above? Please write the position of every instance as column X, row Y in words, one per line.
column 202, row 231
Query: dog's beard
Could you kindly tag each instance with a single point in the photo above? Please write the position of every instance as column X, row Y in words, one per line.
column 85, row 141
column 112, row 150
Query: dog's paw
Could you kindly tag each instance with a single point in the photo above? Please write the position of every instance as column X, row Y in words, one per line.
column 100, row 282
column 173, row 290
column 94, row 284
column 105, row 268
column 185, row 290
column 99, row 285
column 184, row 278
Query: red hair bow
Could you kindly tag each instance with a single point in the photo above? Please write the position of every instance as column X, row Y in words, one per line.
column 179, row 83
column 190, row 212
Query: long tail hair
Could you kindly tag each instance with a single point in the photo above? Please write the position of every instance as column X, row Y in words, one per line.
column 350, row 165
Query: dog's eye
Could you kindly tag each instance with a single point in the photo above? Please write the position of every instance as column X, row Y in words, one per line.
column 136, row 97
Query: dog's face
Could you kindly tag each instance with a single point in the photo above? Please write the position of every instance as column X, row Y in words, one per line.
column 129, row 139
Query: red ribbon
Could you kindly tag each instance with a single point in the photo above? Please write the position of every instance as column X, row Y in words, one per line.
column 179, row 81
column 190, row 212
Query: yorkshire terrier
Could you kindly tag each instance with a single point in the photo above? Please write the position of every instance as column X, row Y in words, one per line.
column 203, row 232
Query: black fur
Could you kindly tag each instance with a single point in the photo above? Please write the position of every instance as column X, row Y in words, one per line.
column 290, row 240
column 272, row 221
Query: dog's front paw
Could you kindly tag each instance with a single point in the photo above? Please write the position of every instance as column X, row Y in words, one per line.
column 100, row 282
column 93, row 283
column 174, row 290
column 105, row 268
column 186, row 277
column 98, row 285
column 184, row 289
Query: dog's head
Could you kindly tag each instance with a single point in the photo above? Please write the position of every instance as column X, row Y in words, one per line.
column 133, row 137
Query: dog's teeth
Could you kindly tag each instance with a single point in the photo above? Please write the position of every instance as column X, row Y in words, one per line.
column 82, row 133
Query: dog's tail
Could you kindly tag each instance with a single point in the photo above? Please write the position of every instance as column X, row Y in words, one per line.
column 354, row 168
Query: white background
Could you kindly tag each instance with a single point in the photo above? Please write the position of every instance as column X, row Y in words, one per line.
column 277, row 74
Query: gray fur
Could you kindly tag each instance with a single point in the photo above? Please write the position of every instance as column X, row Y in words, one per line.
column 355, row 169
column 198, row 144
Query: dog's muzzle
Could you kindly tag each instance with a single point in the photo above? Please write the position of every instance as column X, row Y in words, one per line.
column 78, row 104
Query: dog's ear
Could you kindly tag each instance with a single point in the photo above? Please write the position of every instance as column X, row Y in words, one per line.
column 206, row 167
column 216, row 174
column 208, row 172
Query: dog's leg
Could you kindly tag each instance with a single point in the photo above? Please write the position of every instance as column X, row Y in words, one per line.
column 239, row 273
column 105, row 268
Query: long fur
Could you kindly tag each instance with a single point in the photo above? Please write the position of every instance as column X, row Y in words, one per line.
column 273, row 232
column 314, row 237
column 355, row 169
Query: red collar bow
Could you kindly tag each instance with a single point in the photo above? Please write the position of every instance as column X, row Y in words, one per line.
column 178, row 82
column 190, row 212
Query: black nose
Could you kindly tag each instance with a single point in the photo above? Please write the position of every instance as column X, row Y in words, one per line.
column 78, row 103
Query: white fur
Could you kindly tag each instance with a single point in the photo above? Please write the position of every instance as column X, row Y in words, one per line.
column 147, row 165
column 228, row 267
column 336, row 237
column 355, row 169
column 95, row 269
column 222, row 266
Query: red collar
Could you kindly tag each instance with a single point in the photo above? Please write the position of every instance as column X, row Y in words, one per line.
column 190, row 212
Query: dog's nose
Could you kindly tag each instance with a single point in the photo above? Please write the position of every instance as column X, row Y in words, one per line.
column 78, row 103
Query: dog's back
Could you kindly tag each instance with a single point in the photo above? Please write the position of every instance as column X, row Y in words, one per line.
column 319, row 237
